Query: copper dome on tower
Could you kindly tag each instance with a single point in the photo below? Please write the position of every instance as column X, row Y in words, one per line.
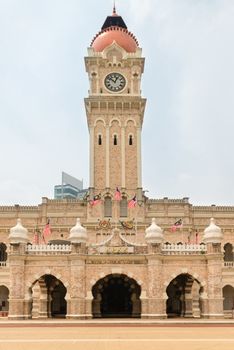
column 114, row 29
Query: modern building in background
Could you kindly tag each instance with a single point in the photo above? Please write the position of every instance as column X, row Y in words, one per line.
column 70, row 187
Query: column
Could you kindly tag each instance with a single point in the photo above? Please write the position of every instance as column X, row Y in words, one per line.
column 107, row 157
column 17, row 291
column 91, row 159
column 214, row 285
column 123, row 173
column 77, row 309
column 139, row 170
column 156, row 301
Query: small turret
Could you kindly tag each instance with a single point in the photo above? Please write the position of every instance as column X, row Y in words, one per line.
column 78, row 234
column 154, row 234
column 18, row 234
column 213, row 233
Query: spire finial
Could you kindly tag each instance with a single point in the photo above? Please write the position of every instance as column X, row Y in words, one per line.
column 114, row 9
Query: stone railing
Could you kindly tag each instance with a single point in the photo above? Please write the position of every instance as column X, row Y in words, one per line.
column 50, row 249
column 183, row 249
column 3, row 264
column 228, row 264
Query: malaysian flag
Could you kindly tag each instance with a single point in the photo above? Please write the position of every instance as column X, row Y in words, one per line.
column 176, row 225
column 132, row 203
column 117, row 195
column 96, row 200
column 46, row 231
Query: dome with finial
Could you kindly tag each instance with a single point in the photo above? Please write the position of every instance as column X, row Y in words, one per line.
column 78, row 233
column 154, row 233
column 213, row 233
column 114, row 29
column 18, row 233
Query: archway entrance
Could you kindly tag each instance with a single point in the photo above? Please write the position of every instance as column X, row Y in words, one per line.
column 48, row 298
column 4, row 303
column 228, row 300
column 116, row 296
column 184, row 297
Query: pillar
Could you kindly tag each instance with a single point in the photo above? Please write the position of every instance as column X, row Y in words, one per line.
column 214, row 286
column 17, row 290
column 156, row 300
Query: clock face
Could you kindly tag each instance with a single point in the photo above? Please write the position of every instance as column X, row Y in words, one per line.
column 115, row 82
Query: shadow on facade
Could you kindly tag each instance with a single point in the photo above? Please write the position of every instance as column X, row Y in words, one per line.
column 48, row 298
column 116, row 296
column 184, row 297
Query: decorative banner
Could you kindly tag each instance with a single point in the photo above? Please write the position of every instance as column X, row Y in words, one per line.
column 116, row 250
column 127, row 225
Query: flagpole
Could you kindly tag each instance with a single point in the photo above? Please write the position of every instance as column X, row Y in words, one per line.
column 136, row 223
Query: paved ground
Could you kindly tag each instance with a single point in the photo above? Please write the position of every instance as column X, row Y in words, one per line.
column 68, row 336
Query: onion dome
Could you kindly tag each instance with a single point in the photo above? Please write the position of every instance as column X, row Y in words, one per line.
column 78, row 233
column 114, row 29
column 213, row 233
column 18, row 233
column 154, row 233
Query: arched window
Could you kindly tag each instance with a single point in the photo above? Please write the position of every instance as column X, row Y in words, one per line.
column 99, row 139
column 3, row 253
column 115, row 140
column 228, row 252
column 108, row 207
column 130, row 141
column 124, row 207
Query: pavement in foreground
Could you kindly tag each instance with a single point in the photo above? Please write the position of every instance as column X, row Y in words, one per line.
column 117, row 335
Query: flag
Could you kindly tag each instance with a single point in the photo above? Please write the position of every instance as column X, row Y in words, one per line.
column 96, row 200
column 36, row 238
column 132, row 203
column 176, row 225
column 47, row 230
column 117, row 194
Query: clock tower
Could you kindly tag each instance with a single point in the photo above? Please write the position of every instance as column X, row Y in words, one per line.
column 115, row 109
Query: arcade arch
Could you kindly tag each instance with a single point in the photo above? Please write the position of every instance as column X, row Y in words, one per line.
column 48, row 298
column 184, row 297
column 116, row 295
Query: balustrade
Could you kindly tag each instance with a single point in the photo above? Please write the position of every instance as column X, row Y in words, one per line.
column 50, row 249
column 228, row 264
column 183, row 249
column 167, row 249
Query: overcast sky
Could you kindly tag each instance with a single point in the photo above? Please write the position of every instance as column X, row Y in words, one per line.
column 188, row 131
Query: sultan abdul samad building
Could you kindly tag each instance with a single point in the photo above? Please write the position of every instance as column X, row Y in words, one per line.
column 119, row 258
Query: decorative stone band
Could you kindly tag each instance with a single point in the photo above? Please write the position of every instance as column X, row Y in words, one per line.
column 183, row 249
column 3, row 264
column 51, row 249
